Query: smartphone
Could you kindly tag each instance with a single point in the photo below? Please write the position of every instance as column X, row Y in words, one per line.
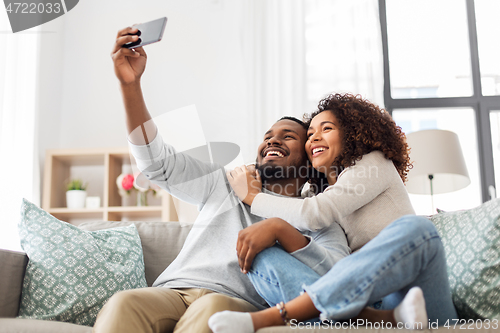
column 149, row 32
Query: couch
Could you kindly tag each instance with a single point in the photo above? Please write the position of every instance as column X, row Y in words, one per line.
column 161, row 242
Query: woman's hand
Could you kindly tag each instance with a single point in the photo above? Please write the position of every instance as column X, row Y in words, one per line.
column 245, row 182
column 129, row 63
column 261, row 235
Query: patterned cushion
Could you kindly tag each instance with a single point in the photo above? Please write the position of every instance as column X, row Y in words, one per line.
column 72, row 272
column 471, row 239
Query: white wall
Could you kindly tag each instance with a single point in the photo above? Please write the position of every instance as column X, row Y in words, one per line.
column 199, row 61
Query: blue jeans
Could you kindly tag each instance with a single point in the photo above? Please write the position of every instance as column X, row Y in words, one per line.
column 405, row 254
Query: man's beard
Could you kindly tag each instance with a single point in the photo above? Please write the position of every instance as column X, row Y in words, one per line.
column 276, row 172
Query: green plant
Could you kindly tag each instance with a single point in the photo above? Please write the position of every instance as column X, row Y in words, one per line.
column 76, row 184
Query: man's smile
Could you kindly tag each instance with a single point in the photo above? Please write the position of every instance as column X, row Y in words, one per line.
column 273, row 153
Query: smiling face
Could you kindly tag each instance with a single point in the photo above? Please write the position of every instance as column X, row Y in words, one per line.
column 324, row 143
column 282, row 149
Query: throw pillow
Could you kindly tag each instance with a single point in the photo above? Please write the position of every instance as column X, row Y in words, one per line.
column 71, row 272
column 471, row 239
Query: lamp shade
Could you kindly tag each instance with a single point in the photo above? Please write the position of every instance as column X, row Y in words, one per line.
column 437, row 153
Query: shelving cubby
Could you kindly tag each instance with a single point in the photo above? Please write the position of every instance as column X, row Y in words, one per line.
column 99, row 167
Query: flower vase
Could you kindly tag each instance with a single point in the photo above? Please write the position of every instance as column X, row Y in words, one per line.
column 129, row 199
column 142, row 199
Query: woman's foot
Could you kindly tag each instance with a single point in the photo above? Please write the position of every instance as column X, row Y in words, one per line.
column 230, row 322
column 411, row 312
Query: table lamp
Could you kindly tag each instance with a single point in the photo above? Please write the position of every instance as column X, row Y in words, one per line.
column 438, row 163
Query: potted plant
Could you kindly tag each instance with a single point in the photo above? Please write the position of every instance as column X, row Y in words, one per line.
column 76, row 194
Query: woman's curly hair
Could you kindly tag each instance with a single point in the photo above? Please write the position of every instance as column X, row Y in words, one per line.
column 365, row 127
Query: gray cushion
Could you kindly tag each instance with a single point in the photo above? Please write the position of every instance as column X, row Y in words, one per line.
column 72, row 272
column 161, row 242
column 11, row 281
column 471, row 241
column 40, row 326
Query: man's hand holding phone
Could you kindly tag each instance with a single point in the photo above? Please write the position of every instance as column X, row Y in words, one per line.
column 129, row 63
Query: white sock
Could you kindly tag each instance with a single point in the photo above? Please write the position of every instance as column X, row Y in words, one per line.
column 411, row 312
column 230, row 322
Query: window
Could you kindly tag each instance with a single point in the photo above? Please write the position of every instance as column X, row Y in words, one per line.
column 495, row 143
column 441, row 71
column 428, row 58
column 342, row 50
column 488, row 25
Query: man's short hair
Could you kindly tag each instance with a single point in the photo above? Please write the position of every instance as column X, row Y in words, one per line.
column 298, row 121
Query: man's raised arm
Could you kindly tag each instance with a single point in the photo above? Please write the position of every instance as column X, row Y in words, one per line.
column 129, row 64
column 184, row 177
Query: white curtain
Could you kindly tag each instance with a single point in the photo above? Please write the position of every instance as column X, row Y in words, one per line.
column 298, row 51
column 18, row 168
column 273, row 46
column 343, row 49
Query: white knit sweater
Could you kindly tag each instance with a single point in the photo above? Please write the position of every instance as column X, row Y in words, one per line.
column 365, row 199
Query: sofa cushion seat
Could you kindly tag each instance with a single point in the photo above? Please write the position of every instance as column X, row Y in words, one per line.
column 11, row 325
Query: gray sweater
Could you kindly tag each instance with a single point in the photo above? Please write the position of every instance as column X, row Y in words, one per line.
column 208, row 258
column 365, row 199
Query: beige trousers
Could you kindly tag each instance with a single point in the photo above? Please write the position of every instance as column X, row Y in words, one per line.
column 157, row 309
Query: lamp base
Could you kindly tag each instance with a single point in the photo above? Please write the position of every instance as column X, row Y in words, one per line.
column 431, row 177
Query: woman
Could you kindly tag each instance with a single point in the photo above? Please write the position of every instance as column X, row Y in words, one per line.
column 364, row 157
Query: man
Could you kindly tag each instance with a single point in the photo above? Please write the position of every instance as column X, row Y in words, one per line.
column 205, row 277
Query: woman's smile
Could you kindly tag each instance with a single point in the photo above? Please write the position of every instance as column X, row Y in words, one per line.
column 318, row 150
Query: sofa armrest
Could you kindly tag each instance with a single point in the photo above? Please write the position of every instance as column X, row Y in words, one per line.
column 12, row 269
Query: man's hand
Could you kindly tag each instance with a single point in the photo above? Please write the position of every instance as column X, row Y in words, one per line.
column 261, row 235
column 245, row 182
column 253, row 239
column 129, row 63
